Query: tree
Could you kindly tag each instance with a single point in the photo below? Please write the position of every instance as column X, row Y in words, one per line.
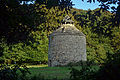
column 15, row 19
column 25, row 28
column 106, row 5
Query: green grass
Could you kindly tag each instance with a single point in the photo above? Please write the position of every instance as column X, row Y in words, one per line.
column 41, row 65
column 53, row 72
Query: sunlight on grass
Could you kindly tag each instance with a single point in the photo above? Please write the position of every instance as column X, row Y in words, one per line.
column 42, row 65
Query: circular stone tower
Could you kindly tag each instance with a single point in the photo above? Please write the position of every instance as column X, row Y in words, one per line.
column 66, row 45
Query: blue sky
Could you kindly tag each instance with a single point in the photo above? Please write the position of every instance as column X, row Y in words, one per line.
column 79, row 4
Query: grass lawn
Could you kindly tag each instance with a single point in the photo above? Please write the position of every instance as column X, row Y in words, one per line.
column 41, row 65
column 52, row 72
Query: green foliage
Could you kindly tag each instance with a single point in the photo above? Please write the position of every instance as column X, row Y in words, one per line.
column 108, row 71
column 37, row 47
column 34, row 50
column 86, row 72
column 114, row 5
column 10, row 72
column 30, row 40
column 24, row 37
column 97, row 26
column 116, row 39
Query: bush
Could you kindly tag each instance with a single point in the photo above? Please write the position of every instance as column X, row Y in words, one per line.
column 86, row 72
column 10, row 72
column 110, row 70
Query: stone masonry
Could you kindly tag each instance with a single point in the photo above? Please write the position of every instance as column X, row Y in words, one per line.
column 66, row 45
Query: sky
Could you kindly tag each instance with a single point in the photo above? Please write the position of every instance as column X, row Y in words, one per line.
column 79, row 4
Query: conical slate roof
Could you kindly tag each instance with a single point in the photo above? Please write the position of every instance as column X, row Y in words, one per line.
column 67, row 29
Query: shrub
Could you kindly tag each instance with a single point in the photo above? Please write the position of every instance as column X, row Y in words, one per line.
column 86, row 72
column 10, row 72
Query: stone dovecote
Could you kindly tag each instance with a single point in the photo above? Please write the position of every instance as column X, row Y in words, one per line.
column 66, row 45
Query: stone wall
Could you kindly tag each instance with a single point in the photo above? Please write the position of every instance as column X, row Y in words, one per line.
column 66, row 48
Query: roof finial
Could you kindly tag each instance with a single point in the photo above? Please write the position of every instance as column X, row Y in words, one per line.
column 67, row 20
